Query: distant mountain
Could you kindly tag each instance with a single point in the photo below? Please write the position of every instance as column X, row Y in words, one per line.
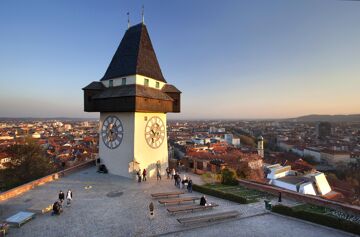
column 328, row 118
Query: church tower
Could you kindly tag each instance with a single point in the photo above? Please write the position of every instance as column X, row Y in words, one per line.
column 133, row 98
column 260, row 146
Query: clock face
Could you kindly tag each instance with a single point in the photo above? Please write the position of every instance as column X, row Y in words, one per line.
column 112, row 132
column 155, row 132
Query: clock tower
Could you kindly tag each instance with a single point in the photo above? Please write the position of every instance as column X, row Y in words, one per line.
column 133, row 99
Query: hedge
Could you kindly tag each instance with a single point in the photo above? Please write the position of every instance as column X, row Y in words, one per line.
column 318, row 218
column 221, row 194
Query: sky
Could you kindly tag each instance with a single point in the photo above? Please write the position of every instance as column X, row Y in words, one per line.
column 231, row 59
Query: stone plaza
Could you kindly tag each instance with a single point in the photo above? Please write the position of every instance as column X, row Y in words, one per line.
column 110, row 205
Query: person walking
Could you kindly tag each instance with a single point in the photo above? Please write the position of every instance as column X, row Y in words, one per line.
column 158, row 175
column 168, row 172
column 189, row 187
column 69, row 197
column 138, row 173
column 173, row 173
column 144, row 175
column 61, row 196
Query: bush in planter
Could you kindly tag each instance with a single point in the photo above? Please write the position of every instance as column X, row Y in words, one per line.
column 228, row 177
column 318, row 218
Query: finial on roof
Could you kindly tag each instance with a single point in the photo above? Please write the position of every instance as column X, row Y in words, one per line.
column 142, row 14
column 128, row 15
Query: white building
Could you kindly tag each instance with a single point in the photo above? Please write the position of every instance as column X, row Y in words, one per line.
column 311, row 184
column 236, row 142
column 228, row 138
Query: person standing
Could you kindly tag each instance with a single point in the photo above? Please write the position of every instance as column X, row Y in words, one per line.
column 173, row 173
column 138, row 173
column 168, row 172
column 61, row 196
column 189, row 187
column 158, row 170
column 69, row 196
column 144, row 175
column 203, row 201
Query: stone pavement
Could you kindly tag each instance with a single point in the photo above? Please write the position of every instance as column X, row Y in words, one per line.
column 116, row 206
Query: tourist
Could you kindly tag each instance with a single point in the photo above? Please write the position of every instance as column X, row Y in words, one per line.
column 203, row 201
column 168, row 172
column 279, row 200
column 178, row 180
column 189, row 187
column 139, row 175
column 175, row 178
column 56, row 208
column 61, row 196
column 184, row 182
column 69, row 197
column 158, row 175
column 173, row 173
column 144, row 175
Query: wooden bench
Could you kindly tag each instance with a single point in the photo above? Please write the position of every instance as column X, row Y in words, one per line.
column 167, row 194
column 20, row 218
column 178, row 200
column 208, row 218
column 192, row 208
column 41, row 207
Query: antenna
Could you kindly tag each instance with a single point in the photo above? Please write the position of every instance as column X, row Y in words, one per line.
column 142, row 14
column 128, row 15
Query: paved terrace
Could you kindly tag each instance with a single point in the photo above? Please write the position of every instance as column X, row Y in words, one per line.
column 94, row 213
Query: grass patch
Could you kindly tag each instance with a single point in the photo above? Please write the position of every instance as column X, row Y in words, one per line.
column 232, row 193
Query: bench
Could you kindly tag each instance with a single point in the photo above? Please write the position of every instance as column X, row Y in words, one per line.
column 41, row 207
column 208, row 218
column 167, row 194
column 178, row 200
column 20, row 218
column 192, row 208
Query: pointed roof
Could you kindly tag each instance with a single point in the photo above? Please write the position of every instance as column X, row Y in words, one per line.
column 135, row 55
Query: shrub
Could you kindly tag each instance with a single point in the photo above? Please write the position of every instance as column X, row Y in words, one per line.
column 221, row 194
column 228, row 177
column 318, row 218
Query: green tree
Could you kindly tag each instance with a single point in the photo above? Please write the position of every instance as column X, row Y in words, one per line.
column 228, row 177
column 28, row 162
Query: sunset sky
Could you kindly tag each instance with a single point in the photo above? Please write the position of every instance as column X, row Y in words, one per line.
column 231, row 59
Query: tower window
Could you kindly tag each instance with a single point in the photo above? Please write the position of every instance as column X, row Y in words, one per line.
column 146, row 82
column 111, row 83
column 157, row 84
column 123, row 81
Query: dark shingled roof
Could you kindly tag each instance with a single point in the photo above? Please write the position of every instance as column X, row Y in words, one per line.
column 170, row 88
column 132, row 90
column 135, row 55
column 95, row 85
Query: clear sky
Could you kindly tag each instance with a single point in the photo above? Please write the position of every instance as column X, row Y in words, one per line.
column 231, row 59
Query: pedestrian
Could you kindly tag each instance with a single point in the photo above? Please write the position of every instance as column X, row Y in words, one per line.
column 61, row 196
column 56, row 208
column 144, row 175
column 173, row 173
column 279, row 197
column 189, row 187
column 158, row 175
column 175, row 179
column 69, row 197
column 139, row 175
column 178, row 181
column 168, row 172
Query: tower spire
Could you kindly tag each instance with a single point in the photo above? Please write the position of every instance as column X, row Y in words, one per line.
column 142, row 14
column 128, row 15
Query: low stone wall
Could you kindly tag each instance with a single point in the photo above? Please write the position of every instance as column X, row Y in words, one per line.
column 301, row 197
column 31, row 185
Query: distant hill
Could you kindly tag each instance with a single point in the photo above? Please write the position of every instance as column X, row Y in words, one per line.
column 7, row 119
column 328, row 118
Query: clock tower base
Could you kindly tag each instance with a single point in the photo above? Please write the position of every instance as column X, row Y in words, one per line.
column 134, row 152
